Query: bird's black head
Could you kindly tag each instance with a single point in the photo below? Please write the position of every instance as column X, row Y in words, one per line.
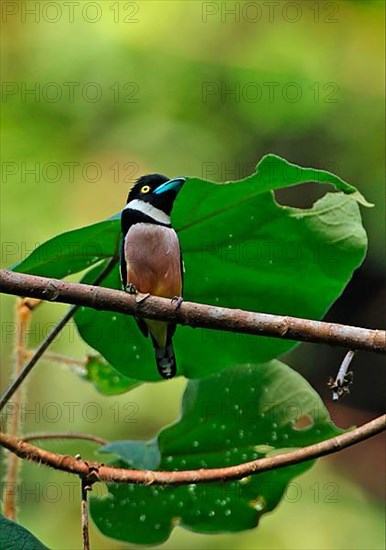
column 157, row 190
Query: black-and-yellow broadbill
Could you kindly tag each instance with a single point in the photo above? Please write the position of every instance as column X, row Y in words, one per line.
column 151, row 260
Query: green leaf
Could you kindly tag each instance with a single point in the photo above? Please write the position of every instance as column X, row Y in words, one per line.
column 73, row 251
column 274, row 172
column 105, row 378
column 142, row 455
column 238, row 415
column 242, row 250
column 14, row 537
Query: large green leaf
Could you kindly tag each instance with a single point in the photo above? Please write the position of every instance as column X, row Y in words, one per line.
column 232, row 417
column 241, row 249
column 15, row 537
column 73, row 251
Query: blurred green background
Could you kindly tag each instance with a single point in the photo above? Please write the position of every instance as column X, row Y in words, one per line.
column 95, row 94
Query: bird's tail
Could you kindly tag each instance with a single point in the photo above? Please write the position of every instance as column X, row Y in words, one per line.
column 165, row 359
column 161, row 334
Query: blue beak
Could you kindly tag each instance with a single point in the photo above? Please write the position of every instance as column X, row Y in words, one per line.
column 171, row 185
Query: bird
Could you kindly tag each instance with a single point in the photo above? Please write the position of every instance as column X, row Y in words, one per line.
column 151, row 259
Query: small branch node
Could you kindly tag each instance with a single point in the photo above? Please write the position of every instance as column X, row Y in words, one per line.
column 283, row 327
column 92, row 475
column 51, row 292
column 150, row 477
column 139, row 297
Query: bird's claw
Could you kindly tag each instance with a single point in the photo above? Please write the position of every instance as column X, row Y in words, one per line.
column 177, row 300
column 130, row 288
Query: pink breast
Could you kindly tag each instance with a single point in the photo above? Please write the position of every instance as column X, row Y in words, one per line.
column 152, row 254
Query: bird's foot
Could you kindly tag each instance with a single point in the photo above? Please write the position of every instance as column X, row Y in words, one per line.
column 130, row 288
column 177, row 300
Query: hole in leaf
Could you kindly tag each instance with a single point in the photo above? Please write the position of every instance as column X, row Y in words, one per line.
column 304, row 422
column 301, row 196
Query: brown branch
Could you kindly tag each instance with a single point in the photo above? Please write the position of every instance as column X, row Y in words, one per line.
column 69, row 435
column 193, row 314
column 93, row 471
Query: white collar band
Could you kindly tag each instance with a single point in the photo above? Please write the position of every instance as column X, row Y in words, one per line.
column 146, row 208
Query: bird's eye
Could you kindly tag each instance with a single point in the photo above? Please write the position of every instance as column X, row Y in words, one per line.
column 145, row 189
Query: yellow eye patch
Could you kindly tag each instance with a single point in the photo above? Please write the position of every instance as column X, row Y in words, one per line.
column 145, row 189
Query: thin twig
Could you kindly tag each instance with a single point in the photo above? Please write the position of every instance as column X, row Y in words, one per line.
column 23, row 315
column 98, row 472
column 193, row 314
column 85, row 487
column 69, row 435
column 58, row 358
column 49, row 338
